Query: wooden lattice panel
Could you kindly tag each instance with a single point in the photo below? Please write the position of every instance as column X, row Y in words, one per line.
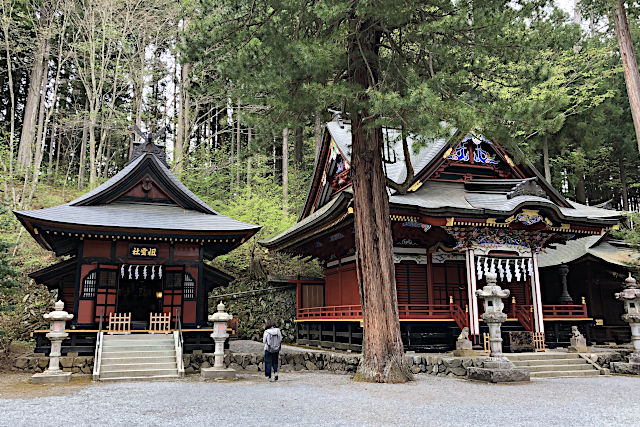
column 119, row 323
column 538, row 341
column 159, row 323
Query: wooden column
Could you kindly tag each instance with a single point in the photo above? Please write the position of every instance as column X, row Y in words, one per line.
column 474, row 323
column 429, row 278
column 536, row 297
column 298, row 297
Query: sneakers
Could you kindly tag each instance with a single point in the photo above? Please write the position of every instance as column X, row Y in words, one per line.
column 276, row 377
column 271, row 379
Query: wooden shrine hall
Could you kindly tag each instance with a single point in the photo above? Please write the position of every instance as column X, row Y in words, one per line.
column 134, row 252
column 471, row 208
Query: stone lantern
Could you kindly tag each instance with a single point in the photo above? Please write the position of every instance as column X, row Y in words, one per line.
column 53, row 374
column 496, row 368
column 630, row 295
column 219, row 335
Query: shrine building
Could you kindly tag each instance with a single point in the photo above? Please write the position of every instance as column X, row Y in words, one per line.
column 471, row 208
column 135, row 246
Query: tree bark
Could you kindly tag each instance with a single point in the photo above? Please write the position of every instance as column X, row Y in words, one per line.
column 382, row 349
column 317, row 134
column 297, row 148
column 581, row 193
column 629, row 63
column 285, row 171
column 623, row 184
column 545, row 157
column 249, row 157
column 238, row 141
column 83, row 152
column 27, row 136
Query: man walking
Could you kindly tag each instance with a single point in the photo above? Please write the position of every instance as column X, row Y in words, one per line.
column 272, row 340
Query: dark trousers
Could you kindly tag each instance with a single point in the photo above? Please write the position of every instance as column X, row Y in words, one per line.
column 270, row 361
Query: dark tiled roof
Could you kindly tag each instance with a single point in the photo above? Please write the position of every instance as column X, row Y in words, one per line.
column 139, row 215
column 93, row 196
column 613, row 252
column 423, row 150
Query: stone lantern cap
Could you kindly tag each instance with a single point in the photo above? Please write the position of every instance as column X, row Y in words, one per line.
column 491, row 289
column 221, row 315
column 630, row 291
column 58, row 313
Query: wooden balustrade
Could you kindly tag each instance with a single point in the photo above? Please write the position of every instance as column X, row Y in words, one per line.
column 405, row 312
column 564, row 311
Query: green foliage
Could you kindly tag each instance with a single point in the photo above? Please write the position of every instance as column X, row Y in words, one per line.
column 8, row 272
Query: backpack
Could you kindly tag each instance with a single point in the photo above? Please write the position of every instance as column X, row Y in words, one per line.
column 273, row 342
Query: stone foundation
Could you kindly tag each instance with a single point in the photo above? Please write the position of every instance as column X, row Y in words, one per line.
column 37, row 364
column 437, row 364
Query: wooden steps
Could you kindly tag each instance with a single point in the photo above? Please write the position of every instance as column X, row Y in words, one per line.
column 553, row 365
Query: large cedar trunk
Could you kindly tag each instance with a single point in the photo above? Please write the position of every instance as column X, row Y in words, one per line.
column 629, row 64
column 382, row 349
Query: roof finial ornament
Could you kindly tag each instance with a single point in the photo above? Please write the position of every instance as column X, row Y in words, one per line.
column 148, row 137
column 148, row 146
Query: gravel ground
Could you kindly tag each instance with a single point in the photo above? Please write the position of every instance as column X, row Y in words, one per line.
column 331, row 399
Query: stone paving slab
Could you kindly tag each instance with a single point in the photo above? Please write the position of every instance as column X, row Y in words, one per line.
column 330, row 399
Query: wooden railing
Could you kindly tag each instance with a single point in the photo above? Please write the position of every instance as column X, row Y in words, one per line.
column 425, row 311
column 405, row 312
column 564, row 311
column 331, row 312
column 524, row 314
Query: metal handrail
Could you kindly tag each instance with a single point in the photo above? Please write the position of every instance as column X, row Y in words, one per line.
column 179, row 342
column 97, row 358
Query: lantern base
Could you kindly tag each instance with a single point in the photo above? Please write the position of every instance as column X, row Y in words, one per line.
column 218, row 374
column 51, row 377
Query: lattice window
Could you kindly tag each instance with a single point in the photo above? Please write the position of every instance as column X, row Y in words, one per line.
column 189, row 287
column 108, row 278
column 174, row 280
column 89, row 285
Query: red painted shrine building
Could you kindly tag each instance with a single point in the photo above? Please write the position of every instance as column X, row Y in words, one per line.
column 471, row 208
column 135, row 244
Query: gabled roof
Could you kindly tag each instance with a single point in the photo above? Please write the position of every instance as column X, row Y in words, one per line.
column 476, row 197
column 178, row 213
column 132, row 174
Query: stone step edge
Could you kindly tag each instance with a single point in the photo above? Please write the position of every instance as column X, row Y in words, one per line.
column 142, row 371
column 565, row 373
column 157, row 377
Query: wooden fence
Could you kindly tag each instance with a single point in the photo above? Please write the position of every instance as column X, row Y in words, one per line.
column 119, row 323
column 159, row 323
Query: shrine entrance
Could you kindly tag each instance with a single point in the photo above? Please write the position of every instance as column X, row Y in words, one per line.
column 140, row 297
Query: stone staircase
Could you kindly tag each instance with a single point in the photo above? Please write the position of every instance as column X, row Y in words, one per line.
column 553, row 365
column 138, row 357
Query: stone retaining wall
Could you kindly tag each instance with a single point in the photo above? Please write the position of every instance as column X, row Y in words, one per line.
column 74, row 364
column 437, row 364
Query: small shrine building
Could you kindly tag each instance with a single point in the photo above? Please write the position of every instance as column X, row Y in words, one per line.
column 472, row 207
column 136, row 244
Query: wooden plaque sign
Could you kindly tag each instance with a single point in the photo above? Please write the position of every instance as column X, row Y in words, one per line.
column 143, row 251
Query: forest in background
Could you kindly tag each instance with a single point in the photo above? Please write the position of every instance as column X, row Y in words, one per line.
column 238, row 92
